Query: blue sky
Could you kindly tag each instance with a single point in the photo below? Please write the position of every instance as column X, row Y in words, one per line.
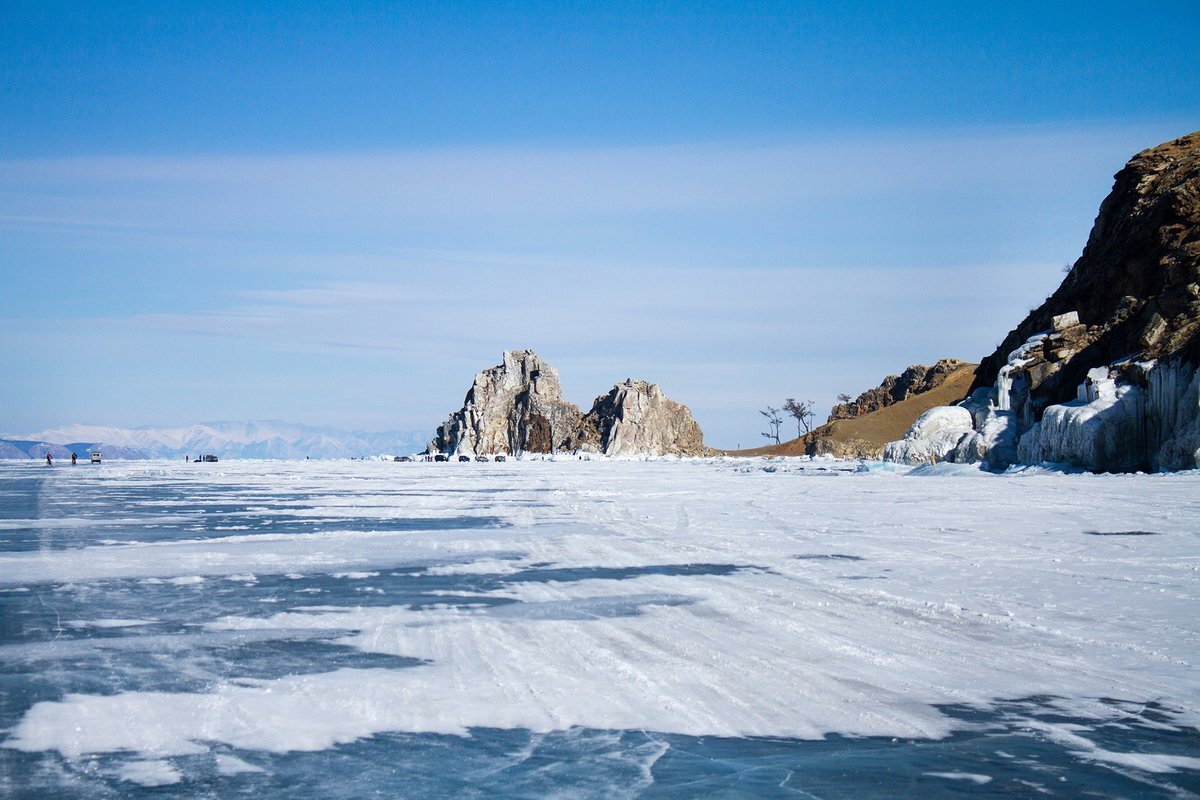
column 339, row 215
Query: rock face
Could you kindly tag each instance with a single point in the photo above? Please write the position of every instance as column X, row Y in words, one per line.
column 514, row 407
column 1134, row 291
column 1103, row 375
column 917, row 379
column 636, row 418
column 517, row 407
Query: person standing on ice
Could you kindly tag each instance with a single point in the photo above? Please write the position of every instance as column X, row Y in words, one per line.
column 72, row 459
column 49, row 460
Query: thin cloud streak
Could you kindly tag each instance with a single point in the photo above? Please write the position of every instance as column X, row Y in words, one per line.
column 480, row 187
column 805, row 269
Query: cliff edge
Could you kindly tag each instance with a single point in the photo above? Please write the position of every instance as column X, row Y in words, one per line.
column 1134, row 290
column 1102, row 375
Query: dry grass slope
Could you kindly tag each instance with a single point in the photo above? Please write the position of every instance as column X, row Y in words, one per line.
column 865, row 436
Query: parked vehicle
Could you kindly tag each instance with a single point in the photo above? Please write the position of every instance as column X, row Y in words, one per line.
column 402, row 458
column 500, row 457
column 464, row 458
column 481, row 457
column 95, row 456
column 440, row 457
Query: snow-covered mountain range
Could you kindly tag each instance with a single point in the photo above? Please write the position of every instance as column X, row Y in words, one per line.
column 255, row 439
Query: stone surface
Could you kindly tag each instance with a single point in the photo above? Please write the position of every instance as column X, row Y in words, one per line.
column 636, row 418
column 514, row 407
column 1062, row 322
column 517, row 407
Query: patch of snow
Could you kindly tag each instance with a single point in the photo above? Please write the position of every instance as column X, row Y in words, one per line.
column 157, row 772
column 933, row 436
column 232, row 765
column 970, row 777
column 481, row 567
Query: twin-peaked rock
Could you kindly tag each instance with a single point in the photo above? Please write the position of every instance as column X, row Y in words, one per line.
column 517, row 407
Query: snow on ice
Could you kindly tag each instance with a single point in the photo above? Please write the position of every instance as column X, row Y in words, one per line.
column 699, row 598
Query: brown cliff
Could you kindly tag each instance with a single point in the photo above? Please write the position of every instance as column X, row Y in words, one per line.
column 1135, row 288
column 1103, row 374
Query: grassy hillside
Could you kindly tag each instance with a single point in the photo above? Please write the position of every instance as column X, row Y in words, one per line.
column 865, row 436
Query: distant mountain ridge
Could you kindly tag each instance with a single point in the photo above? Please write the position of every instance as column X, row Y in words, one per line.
column 254, row 439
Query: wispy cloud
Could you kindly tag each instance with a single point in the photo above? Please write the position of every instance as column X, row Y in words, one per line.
column 724, row 270
column 340, row 295
column 429, row 199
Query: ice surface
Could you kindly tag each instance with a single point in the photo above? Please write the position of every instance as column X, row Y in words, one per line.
column 682, row 601
column 1101, row 431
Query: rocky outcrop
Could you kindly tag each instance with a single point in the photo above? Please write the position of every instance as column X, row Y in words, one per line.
column 517, row 407
column 915, row 380
column 514, row 407
column 1135, row 291
column 1103, row 375
column 636, row 418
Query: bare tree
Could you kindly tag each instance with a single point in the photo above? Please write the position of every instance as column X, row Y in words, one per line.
column 803, row 414
column 774, row 420
column 844, row 398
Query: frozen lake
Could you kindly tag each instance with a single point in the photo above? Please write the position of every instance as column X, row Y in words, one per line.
column 595, row 629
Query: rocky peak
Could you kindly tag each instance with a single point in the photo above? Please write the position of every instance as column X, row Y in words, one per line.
column 636, row 418
column 516, row 406
column 1134, row 293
